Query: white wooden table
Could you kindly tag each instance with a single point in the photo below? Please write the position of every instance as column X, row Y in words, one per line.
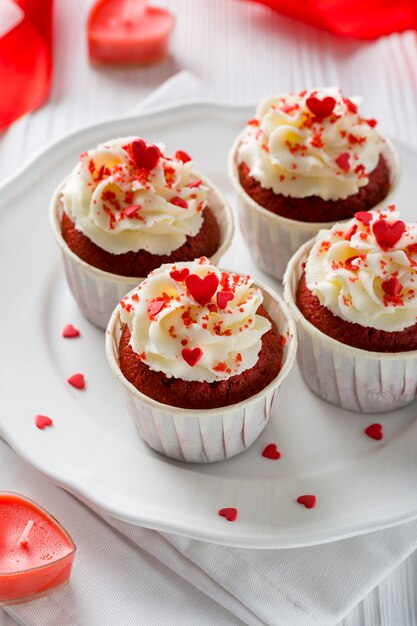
column 243, row 52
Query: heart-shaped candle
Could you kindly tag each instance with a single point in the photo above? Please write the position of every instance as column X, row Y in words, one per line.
column 36, row 552
column 128, row 31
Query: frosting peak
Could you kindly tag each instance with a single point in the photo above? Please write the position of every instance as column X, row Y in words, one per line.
column 311, row 143
column 195, row 322
column 127, row 195
column 365, row 270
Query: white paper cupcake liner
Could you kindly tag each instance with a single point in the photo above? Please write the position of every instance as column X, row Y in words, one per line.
column 98, row 292
column 354, row 379
column 204, row 436
column 273, row 239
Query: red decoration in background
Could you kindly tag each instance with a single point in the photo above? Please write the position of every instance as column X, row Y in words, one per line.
column 351, row 18
column 26, row 61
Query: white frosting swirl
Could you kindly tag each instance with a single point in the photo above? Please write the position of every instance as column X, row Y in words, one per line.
column 230, row 338
column 106, row 182
column 295, row 153
column 362, row 282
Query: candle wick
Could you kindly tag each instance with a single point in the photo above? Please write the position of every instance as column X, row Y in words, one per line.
column 25, row 534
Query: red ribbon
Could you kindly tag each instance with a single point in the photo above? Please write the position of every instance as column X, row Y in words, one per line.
column 26, row 61
column 359, row 19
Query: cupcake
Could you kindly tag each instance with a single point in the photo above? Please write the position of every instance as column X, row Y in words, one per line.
column 200, row 353
column 125, row 209
column 306, row 161
column 353, row 292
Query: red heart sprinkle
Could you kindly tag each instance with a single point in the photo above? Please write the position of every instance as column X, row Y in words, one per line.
column 77, row 381
column 202, row 289
column 223, row 297
column 321, row 108
column 308, row 501
column 388, row 233
column 271, row 452
column 69, row 331
column 155, row 307
column 343, row 161
column 374, row 431
column 179, row 202
column 179, row 275
column 352, row 230
column 182, row 156
column 364, row 217
column 392, row 287
column 192, row 356
column 145, row 156
column 132, row 210
column 229, row 513
column 196, row 183
column 42, row 420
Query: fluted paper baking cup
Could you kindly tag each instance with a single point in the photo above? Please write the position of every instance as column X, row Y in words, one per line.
column 273, row 239
column 354, row 379
column 98, row 292
column 205, row 435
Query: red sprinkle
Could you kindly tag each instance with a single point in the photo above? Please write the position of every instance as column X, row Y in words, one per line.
column 180, row 275
column 202, row 289
column 223, row 297
column 343, row 161
column 352, row 230
column 69, row 332
column 392, row 287
column 321, row 108
column 177, row 201
column 196, row 183
column 182, row 156
column 388, row 233
column 374, row 431
column 146, row 157
column 309, row 501
column 42, row 420
column 191, row 355
column 155, row 307
column 271, row 452
column 364, row 216
column 132, row 210
column 77, row 381
column 229, row 513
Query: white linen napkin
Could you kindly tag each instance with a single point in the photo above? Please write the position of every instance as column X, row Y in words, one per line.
column 126, row 575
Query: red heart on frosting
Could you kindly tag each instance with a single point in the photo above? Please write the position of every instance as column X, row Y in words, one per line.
column 388, row 233
column 271, row 452
column 321, row 108
column 69, row 331
column 77, row 381
column 43, row 420
column 179, row 275
column 364, row 217
column 392, row 287
column 374, row 431
column 146, row 157
column 202, row 289
column 192, row 355
column 223, row 297
column 343, row 161
column 229, row 513
column 155, row 307
column 308, row 501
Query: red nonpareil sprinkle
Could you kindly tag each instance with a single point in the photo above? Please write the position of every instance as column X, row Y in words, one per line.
column 388, row 234
column 43, row 420
column 309, row 501
column 230, row 513
column 253, row 122
column 191, row 355
column 374, row 431
column 202, row 289
column 352, row 230
column 222, row 298
column 155, row 307
column 371, row 122
column 391, row 287
column 131, row 211
column 180, row 275
column 70, row 332
column 364, row 216
column 343, row 161
column 177, row 201
column 195, row 184
column 77, row 381
column 271, row 452
column 180, row 155
column 321, row 108
column 145, row 157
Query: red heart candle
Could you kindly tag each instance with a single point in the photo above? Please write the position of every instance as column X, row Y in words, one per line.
column 128, row 31
column 36, row 553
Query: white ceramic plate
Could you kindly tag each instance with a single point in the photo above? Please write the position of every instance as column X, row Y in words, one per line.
column 93, row 449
